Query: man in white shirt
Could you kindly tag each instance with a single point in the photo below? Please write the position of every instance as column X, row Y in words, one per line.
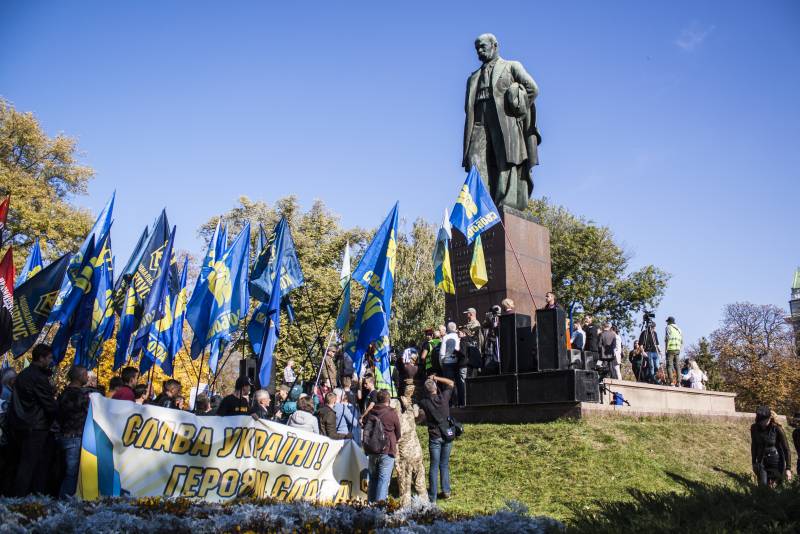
column 451, row 342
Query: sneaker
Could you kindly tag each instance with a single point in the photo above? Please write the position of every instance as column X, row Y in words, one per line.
column 443, row 496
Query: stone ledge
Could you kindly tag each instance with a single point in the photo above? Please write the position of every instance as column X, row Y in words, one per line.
column 645, row 385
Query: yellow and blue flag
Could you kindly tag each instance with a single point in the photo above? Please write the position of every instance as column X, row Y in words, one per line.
column 32, row 266
column 265, row 268
column 144, row 272
column 157, row 310
column 124, row 277
column 98, row 476
column 271, row 311
column 101, row 226
column 33, row 302
column 474, row 211
column 221, row 299
column 166, row 334
column 94, row 322
column 263, row 280
column 442, row 268
column 375, row 272
column 80, row 284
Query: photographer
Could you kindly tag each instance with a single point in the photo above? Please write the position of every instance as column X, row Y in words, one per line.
column 649, row 340
column 639, row 362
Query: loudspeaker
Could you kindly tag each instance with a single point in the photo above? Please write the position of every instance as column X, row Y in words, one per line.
column 558, row 386
column 493, row 389
column 247, row 367
column 575, row 359
column 516, row 343
column 551, row 337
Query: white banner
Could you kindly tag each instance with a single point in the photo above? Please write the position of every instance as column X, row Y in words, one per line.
column 130, row 449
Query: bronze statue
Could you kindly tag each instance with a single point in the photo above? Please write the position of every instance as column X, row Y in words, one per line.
column 500, row 136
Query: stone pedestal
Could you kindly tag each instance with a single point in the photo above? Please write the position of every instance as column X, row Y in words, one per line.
column 532, row 243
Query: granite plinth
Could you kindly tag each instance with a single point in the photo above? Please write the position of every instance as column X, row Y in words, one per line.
column 532, row 244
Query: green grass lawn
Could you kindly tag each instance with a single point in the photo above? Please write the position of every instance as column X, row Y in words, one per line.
column 566, row 468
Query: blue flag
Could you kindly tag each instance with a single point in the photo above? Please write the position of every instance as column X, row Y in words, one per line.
column 156, row 309
column 124, row 276
column 32, row 266
column 100, row 227
column 33, row 302
column 179, row 314
column 474, row 211
column 272, row 314
column 94, row 321
column 265, row 268
column 80, row 283
column 222, row 298
column 144, row 272
column 376, row 273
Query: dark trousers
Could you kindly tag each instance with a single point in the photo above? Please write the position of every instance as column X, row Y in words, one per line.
column 457, row 375
column 34, row 450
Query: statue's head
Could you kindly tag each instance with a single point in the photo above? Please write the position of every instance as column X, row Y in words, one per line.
column 486, row 46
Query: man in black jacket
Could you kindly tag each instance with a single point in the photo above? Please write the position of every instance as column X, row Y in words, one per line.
column 33, row 408
column 73, row 405
column 169, row 393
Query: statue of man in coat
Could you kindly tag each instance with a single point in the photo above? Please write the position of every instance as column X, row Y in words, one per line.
column 500, row 136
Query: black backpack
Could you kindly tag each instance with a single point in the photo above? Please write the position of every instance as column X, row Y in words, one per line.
column 373, row 436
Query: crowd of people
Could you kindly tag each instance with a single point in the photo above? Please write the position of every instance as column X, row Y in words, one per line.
column 645, row 357
column 41, row 429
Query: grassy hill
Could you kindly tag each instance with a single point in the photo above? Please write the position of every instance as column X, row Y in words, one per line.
column 573, row 469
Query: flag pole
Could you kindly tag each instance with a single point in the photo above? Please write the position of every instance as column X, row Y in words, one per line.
column 200, row 370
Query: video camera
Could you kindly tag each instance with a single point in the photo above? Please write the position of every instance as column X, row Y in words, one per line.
column 647, row 316
column 496, row 312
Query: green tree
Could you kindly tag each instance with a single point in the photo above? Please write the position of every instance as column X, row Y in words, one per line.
column 589, row 268
column 42, row 176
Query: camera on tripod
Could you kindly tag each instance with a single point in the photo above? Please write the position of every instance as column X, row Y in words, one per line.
column 648, row 316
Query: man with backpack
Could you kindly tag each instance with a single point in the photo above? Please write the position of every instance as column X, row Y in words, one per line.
column 379, row 438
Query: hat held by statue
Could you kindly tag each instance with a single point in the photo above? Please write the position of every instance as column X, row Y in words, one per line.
column 516, row 101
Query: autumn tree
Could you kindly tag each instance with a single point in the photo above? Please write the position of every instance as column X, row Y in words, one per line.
column 589, row 268
column 754, row 351
column 42, row 175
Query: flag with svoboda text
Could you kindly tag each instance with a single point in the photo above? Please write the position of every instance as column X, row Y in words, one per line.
column 149, row 451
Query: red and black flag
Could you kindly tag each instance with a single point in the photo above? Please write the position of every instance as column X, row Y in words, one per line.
column 6, row 300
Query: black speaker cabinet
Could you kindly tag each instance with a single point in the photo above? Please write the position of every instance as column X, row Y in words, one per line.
column 558, row 386
column 516, row 343
column 489, row 390
column 590, row 360
column 551, row 337
column 247, row 367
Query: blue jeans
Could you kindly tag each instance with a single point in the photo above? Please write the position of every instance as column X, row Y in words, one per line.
column 653, row 365
column 70, row 448
column 439, row 450
column 380, row 474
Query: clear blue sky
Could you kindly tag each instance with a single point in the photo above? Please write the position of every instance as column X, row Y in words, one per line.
column 675, row 123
